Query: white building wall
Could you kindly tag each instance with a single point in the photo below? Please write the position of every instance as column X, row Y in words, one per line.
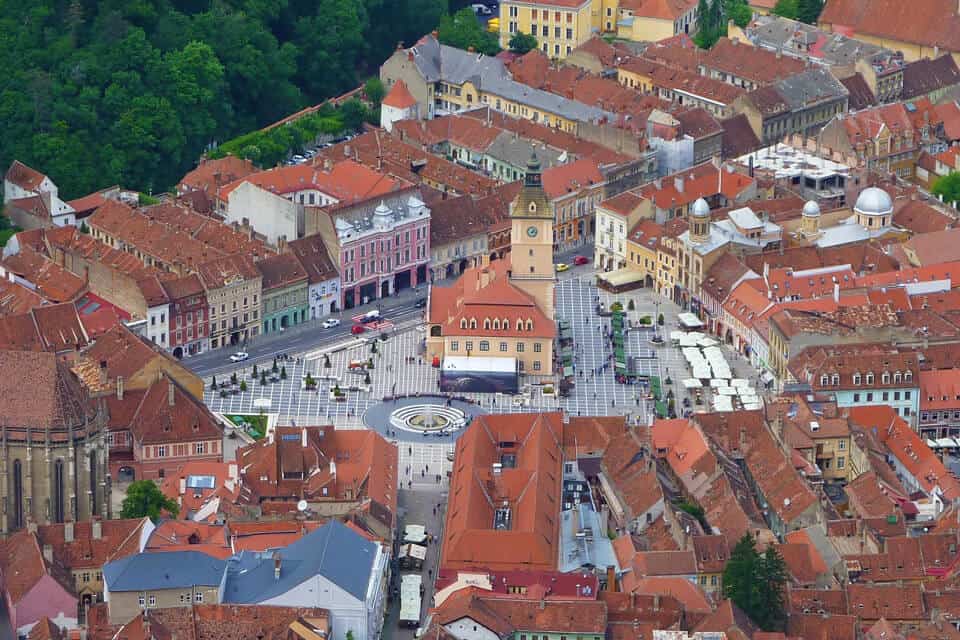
column 272, row 215
column 158, row 325
column 322, row 295
column 470, row 629
column 347, row 613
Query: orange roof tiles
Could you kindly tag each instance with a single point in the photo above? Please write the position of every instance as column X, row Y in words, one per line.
column 694, row 600
column 702, row 181
column 660, row 9
column 345, row 180
column 16, row 298
column 23, row 176
column 531, row 489
column 571, row 177
column 908, row 447
column 814, row 626
column 93, row 544
column 206, row 229
column 486, row 293
column 919, row 217
column 927, row 22
column 632, row 473
column 399, row 96
column 939, row 389
column 742, row 59
column 212, row 174
column 52, row 281
column 893, row 602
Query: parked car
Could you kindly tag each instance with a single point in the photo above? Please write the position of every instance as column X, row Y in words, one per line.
column 370, row 316
column 581, row 260
column 481, row 9
column 329, row 323
column 357, row 329
column 562, row 266
column 239, row 356
column 420, row 303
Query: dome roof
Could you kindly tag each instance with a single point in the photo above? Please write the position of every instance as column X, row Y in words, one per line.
column 381, row 210
column 700, row 209
column 874, row 202
column 811, row 209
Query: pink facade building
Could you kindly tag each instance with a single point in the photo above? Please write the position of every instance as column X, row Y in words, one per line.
column 383, row 245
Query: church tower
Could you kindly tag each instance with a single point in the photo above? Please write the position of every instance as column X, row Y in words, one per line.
column 531, row 240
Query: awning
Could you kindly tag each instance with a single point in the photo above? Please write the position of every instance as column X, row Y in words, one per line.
column 621, row 277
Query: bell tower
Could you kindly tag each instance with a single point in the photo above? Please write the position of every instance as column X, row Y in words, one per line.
column 531, row 240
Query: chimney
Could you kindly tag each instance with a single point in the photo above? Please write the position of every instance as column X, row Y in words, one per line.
column 276, row 565
column 97, row 527
column 119, row 387
column 170, row 401
column 303, row 436
column 48, row 553
column 68, row 532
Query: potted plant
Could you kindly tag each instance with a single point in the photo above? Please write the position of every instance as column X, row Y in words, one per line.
column 243, row 385
column 263, row 378
column 283, row 373
column 370, row 363
column 631, row 306
column 275, row 368
column 254, row 375
column 660, row 320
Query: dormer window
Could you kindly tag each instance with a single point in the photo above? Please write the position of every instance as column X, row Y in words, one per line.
column 506, row 324
column 908, row 376
column 529, row 325
column 533, row 207
column 463, row 323
column 486, row 324
column 824, row 380
column 835, row 379
column 870, row 378
column 897, row 377
column 856, row 379
column 885, row 378
column 473, row 323
column 519, row 325
column 496, row 324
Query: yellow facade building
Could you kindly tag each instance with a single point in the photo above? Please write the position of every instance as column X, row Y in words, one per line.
column 653, row 20
column 560, row 26
column 504, row 308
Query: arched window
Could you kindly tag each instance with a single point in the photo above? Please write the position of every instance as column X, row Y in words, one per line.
column 870, row 378
column 529, row 325
column 17, row 482
column 533, row 207
column 824, row 380
column 473, row 323
column 897, row 377
column 496, row 324
column 908, row 376
column 856, row 378
column 506, row 324
column 885, row 377
column 57, row 505
column 463, row 323
column 486, row 324
column 835, row 379
column 435, row 330
column 519, row 325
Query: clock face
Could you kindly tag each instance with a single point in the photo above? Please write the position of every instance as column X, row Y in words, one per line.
column 532, row 232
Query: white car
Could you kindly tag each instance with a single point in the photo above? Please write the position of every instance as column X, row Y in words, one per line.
column 329, row 323
column 239, row 356
column 481, row 9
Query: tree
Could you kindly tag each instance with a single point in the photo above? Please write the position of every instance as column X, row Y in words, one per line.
column 741, row 14
column 660, row 320
column 353, row 114
column 771, row 613
column 462, row 30
column 787, row 9
column 254, row 374
column 243, row 386
column 739, row 575
column 213, row 384
column 809, row 10
column 756, row 583
column 374, row 90
column 522, row 42
column 283, row 373
column 948, row 187
column 263, row 378
column 145, row 499
column 631, row 306
column 275, row 368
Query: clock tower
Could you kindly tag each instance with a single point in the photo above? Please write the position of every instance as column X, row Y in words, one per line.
column 531, row 240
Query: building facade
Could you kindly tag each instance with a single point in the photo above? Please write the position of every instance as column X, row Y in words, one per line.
column 233, row 288
column 285, row 292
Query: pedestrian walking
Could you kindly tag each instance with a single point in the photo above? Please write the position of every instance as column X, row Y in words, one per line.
column 410, row 450
column 423, row 474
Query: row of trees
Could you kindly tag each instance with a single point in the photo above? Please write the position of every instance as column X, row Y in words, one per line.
column 100, row 92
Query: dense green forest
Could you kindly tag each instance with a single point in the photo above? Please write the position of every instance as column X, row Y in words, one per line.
column 131, row 92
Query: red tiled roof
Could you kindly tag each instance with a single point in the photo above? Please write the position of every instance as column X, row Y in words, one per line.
column 531, row 489
column 281, row 271
column 116, row 539
column 45, row 629
column 399, row 96
column 184, row 420
column 571, row 177
column 660, row 9
column 919, row 217
column 693, row 598
column 52, row 281
column 210, row 175
column 744, row 60
column 315, row 259
column 23, row 176
column 16, row 298
column 939, row 389
column 893, row 602
column 468, row 300
column 702, row 181
column 815, row 626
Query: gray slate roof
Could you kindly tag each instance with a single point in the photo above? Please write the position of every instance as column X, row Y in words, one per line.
column 334, row 551
column 515, row 151
column 163, row 570
column 809, row 88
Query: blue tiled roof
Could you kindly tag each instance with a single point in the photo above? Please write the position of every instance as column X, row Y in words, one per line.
column 163, row 570
column 333, row 551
